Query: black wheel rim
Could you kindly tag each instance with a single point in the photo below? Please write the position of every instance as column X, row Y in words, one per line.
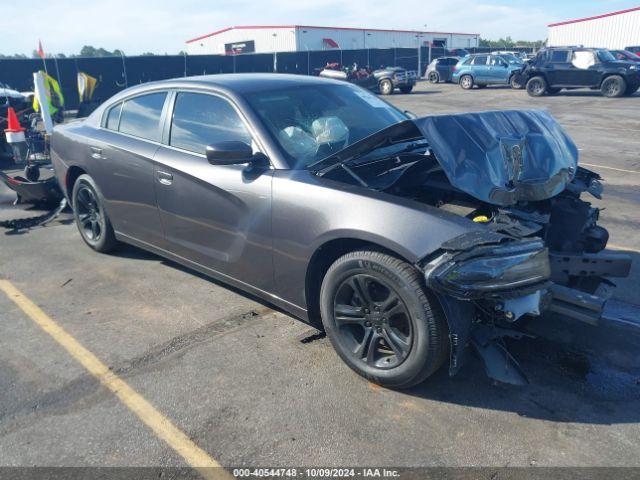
column 611, row 88
column 433, row 78
column 537, row 87
column 372, row 322
column 89, row 213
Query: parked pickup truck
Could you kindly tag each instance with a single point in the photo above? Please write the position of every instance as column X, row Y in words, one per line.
column 384, row 80
column 576, row 67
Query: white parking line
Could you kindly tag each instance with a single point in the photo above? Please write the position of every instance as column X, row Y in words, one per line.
column 609, row 168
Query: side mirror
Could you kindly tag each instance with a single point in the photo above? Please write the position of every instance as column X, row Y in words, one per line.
column 229, row 153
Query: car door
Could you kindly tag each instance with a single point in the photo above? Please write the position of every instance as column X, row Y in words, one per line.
column 218, row 216
column 480, row 68
column 120, row 160
column 559, row 69
column 498, row 71
column 445, row 68
column 586, row 68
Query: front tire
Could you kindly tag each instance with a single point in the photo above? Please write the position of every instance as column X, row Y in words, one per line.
column 433, row 77
column 537, row 86
column 381, row 321
column 466, row 82
column 386, row 86
column 90, row 216
column 613, row 86
column 516, row 82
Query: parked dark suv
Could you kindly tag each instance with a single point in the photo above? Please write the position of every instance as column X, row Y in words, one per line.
column 571, row 67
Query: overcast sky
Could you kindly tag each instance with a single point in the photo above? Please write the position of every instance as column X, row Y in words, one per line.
column 160, row 26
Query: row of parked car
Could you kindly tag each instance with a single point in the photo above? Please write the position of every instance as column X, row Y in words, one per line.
column 615, row 73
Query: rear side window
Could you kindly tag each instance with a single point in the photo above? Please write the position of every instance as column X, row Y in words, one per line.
column 559, row 56
column 140, row 116
column 200, row 120
column 113, row 117
column 480, row 60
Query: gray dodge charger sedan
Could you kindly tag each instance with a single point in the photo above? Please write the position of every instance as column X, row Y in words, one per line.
column 408, row 240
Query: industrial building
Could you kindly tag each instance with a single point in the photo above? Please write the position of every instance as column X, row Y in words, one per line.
column 613, row 30
column 292, row 38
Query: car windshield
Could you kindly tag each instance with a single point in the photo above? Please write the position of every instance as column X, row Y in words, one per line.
column 512, row 59
column 311, row 122
column 606, row 56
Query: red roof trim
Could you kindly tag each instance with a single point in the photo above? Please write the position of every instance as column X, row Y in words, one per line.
column 252, row 27
column 595, row 17
column 209, row 34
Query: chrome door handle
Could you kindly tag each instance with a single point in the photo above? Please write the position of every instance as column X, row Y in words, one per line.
column 165, row 178
column 96, row 153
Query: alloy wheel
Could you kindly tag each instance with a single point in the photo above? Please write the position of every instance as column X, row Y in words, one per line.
column 89, row 213
column 537, row 87
column 372, row 321
column 612, row 89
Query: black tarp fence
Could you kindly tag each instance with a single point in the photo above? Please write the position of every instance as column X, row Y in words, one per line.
column 115, row 73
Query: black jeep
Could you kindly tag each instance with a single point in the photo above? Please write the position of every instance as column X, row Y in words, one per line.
column 576, row 67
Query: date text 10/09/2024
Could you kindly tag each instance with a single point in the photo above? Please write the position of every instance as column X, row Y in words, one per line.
column 315, row 472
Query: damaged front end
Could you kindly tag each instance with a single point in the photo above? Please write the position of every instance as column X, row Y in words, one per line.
column 535, row 245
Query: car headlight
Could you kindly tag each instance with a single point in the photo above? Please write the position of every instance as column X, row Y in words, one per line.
column 487, row 271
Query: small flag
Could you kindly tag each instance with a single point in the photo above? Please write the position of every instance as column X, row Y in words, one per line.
column 40, row 50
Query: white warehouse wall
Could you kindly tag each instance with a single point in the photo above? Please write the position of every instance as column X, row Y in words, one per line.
column 613, row 31
column 302, row 38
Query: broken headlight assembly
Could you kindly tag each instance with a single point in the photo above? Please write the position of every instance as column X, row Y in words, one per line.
column 491, row 271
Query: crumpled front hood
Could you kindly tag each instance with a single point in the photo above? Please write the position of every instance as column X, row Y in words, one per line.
column 500, row 157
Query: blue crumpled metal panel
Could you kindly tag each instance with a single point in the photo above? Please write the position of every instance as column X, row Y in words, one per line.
column 502, row 157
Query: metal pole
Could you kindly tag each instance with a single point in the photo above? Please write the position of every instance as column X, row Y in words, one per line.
column 419, row 54
column 55, row 61
column 275, row 62
column 124, row 70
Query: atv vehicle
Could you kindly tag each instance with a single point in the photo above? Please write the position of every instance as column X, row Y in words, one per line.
column 576, row 67
column 384, row 80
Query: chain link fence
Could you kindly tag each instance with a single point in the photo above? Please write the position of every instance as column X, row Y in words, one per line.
column 116, row 73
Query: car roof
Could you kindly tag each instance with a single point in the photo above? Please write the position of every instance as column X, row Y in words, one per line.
column 235, row 82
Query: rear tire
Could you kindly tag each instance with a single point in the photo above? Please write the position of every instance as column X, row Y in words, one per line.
column 385, row 86
column 613, row 86
column 466, row 82
column 433, row 77
column 537, row 86
column 91, row 217
column 381, row 321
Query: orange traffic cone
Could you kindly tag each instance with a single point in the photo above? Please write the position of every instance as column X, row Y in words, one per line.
column 15, row 136
column 13, row 127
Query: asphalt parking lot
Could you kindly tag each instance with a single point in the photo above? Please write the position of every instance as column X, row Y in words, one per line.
column 233, row 375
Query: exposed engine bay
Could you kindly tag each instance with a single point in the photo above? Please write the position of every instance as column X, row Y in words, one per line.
column 538, row 246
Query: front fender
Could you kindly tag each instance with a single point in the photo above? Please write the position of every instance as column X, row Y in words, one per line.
column 309, row 211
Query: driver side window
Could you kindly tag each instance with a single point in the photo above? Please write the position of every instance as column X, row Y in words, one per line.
column 583, row 59
column 200, row 120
